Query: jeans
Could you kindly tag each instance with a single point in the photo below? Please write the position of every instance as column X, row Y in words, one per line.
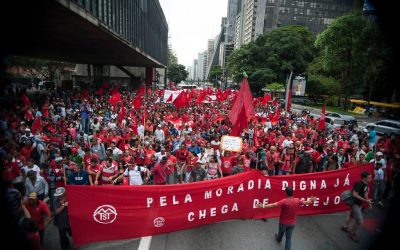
column 85, row 124
column 289, row 231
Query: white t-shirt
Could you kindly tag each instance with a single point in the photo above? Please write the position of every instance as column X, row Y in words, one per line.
column 134, row 175
column 34, row 168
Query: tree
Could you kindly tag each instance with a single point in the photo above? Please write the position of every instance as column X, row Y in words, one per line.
column 273, row 56
column 177, row 73
column 215, row 73
column 342, row 51
column 172, row 58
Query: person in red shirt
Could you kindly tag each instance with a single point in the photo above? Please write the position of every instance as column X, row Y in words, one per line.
column 159, row 171
column 287, row 219
column 40, row 213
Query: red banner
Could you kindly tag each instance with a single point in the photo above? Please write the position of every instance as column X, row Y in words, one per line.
column 102, row 213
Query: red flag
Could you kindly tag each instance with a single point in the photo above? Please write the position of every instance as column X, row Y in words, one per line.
column 100, row 91
column 37, row 124
column 289, row 100
column 201, row 97
column 265, row 99
column 275, row 118
column 245, row 99
column 141, row 90
column 137, row 103
column 274, row 102
column 321, row 123
column 181, row 100
column 85, row 94
column 114, row 99
column 114, row 90
column 25, row 100
column 241, row 122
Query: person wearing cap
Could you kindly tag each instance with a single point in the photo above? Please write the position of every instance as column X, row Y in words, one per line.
column 287, row 220
column 159, row 134
column 39, row 212
column 159, row 171
column 75, row 157
column 60, row 179
column 61, row 217
column 36, row 183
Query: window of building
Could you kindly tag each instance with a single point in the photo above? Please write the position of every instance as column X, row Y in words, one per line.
column 271, row 1
column 300, row 3
column 308, row 11
column 313, row 5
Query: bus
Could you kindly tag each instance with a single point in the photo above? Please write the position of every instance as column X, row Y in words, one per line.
column 186, row 86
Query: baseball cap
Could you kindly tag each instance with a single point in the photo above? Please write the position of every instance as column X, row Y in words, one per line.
column 33, row 195
column 379, row 154
column 59, row 191
column 27, row 130
column 58, row 159
column 74, row 150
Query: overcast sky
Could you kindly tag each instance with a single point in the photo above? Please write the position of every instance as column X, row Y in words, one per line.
column 191, row 23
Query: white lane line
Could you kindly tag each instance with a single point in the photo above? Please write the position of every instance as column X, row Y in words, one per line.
column 145, row 243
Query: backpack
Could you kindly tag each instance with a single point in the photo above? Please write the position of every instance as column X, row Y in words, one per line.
column 304, row 165
column 347, row 198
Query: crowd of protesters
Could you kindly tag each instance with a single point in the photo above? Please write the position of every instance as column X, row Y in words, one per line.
column 103, row 137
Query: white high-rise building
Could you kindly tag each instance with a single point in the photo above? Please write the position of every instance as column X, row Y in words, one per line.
column 194, row 70
column 250, row 12
column 210, row 50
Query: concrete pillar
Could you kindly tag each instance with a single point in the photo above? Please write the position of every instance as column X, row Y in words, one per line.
column 150, row 76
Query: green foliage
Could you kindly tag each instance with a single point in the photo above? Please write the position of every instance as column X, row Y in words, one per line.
column 215, row 73
column 172, row 58
column 177, row 73
column 275, row 86
column 273, row 56
column 353, row 52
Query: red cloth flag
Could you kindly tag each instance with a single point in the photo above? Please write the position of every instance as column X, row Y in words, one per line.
column 25, row 100
column 181, row 100
column 114, row 90
column 275, row 118
column 321, row 123
column 266, row 99
column 243, row 98
column 85, row 94
column 289, row 100
column 241, row 122
column 137, row 103
column 37, row 124
column 114, row 99
column 100, row 91
column 141, row 90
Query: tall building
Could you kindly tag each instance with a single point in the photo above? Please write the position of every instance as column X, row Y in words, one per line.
column 238, row 31
column 202, row 65
column 316, row 15
column 214, row 60
column 189, row 70
column 194, row 70
column 233, row 10
column 249, row 18
column 210, row 50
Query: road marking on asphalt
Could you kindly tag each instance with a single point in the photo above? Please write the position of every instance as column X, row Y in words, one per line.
column 145, row 243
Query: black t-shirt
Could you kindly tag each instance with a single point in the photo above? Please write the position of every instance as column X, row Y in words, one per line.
column 361, row 188
column 198, row 174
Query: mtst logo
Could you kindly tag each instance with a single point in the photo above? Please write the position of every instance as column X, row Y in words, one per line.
column 105, row 214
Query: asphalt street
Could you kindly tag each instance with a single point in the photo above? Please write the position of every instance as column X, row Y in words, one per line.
column 311, row 232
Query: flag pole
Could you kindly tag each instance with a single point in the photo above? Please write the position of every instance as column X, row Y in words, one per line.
column 288, row 87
